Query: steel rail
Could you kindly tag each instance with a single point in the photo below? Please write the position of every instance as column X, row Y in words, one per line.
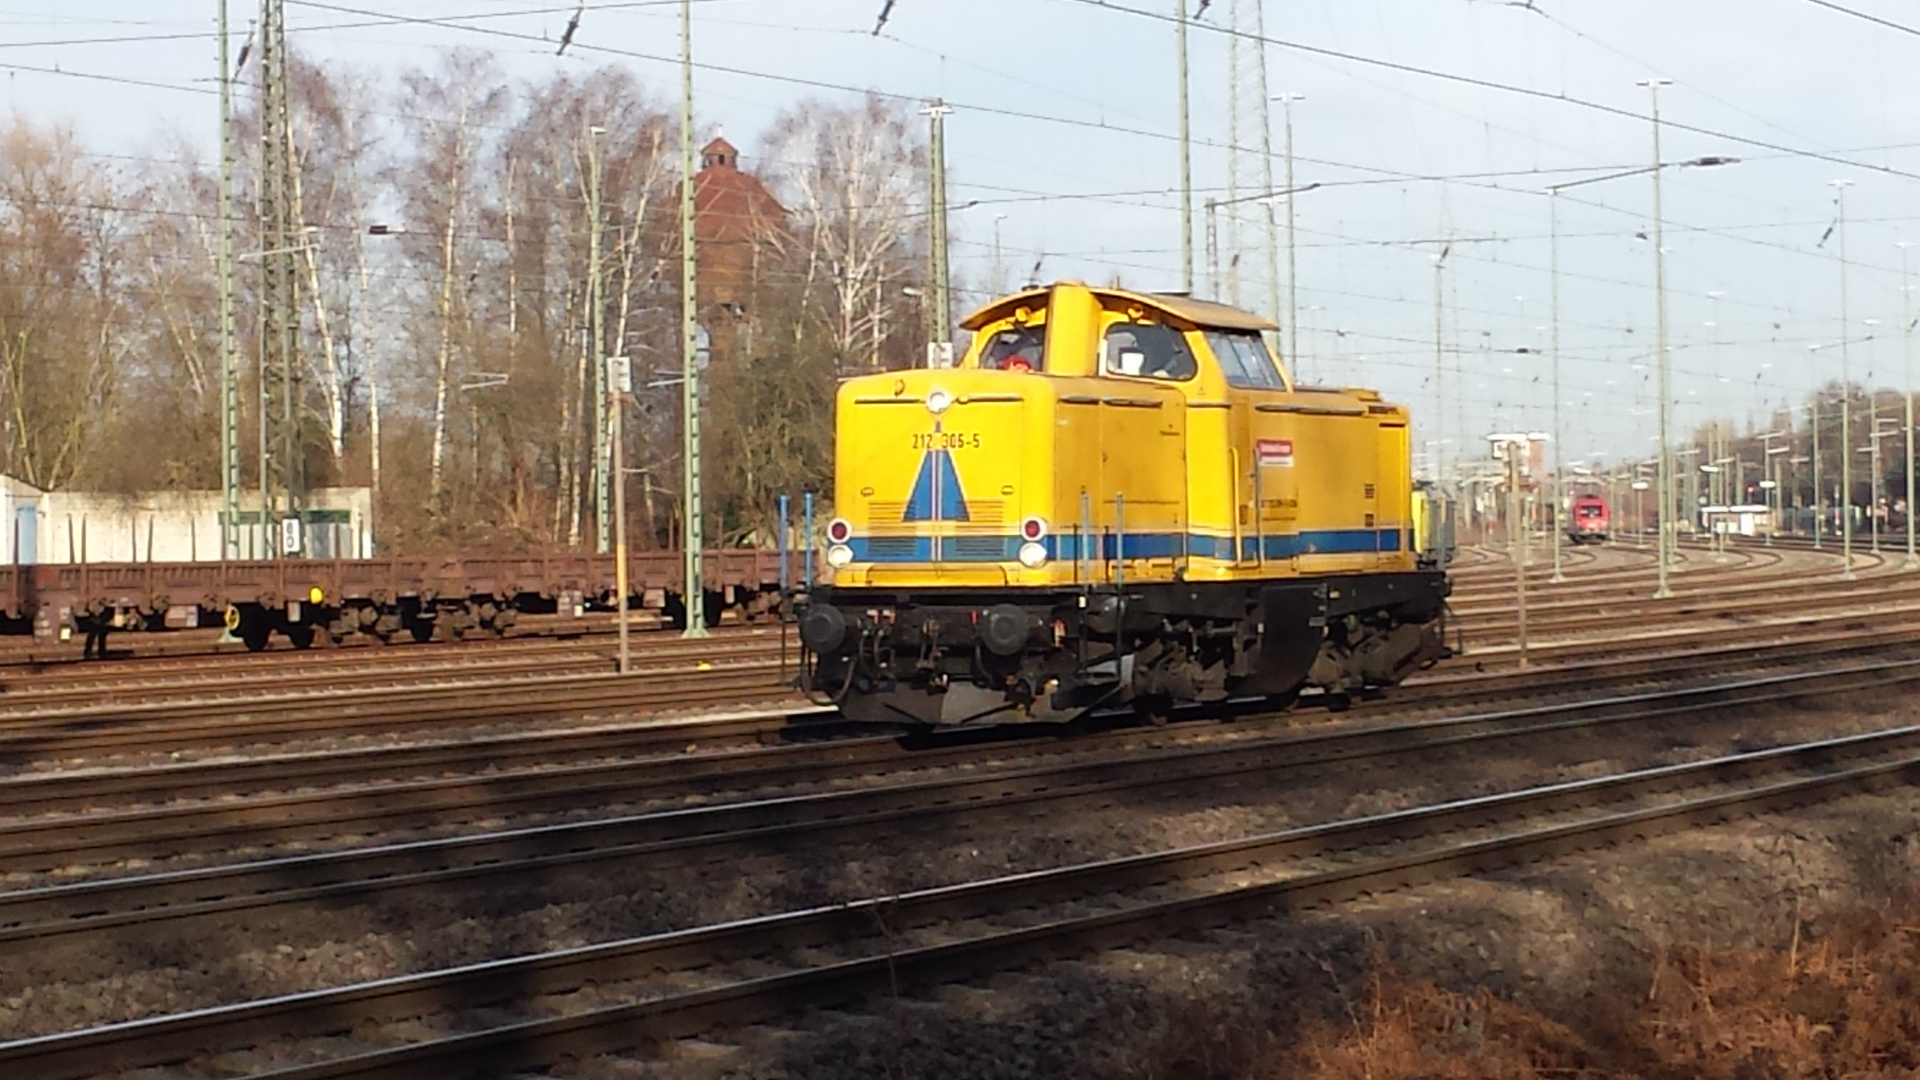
column 98, row 790
column 1657, row 641
column 34, row 704
column 101, row 834
column 878, row 925
column 183, row 648
column 111, row 686
column 1735, row 594
column 177, row 725
column 716, row 834
column 173, row 725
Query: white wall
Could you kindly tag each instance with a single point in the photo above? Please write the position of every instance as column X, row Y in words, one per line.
column 183, row 526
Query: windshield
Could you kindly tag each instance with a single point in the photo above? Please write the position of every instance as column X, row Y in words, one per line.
column 1017, row 348
column 1244, row 359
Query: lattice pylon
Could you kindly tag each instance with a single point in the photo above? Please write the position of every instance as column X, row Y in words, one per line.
column 1250, row 247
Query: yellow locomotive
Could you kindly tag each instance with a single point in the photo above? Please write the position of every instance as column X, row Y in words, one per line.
column 1115, row 497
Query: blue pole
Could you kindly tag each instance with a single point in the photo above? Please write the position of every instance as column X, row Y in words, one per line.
column 806, row 511
column 786, row 554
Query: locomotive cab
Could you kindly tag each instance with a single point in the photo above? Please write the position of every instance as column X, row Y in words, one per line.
column 1115, row 497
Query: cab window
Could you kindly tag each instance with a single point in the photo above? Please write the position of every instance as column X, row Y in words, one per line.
column 1017, row 348
column 1245, row 360
column 1148, row 350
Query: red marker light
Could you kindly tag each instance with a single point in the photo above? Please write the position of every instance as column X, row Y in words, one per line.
column 1033, row 529
column 839, row 531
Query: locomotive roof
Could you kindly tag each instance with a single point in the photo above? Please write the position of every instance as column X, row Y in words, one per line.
column 1199, row 312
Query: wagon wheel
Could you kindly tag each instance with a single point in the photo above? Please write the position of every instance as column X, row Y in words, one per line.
column 254, row 635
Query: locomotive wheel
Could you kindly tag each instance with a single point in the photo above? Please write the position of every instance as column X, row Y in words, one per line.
column 301, row 635
column 421, row 629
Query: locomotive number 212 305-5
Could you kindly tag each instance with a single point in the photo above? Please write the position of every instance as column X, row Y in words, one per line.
column 946, row 440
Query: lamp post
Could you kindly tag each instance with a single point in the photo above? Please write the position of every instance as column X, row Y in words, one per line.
column 1796, row 462
column 1769, row 483
column 1716, row 439
column 1906, row 337
column 1286, row 101
column 1772, row 486
column 1873, row 443
column 1186, row 153
column 1661, row 591
column 1439, row 354
column 1872, row 449
column 1846, row 391
column 1514, row 447
column 1639, row 486
column 1553, row 269
column 999, row 266
column 619, row 379
column 1690, row 496
column 1813, row 426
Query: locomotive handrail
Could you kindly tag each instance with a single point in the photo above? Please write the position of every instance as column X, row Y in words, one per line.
column 1306, row 410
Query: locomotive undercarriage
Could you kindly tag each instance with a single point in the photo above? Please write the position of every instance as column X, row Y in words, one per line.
column 950, row 657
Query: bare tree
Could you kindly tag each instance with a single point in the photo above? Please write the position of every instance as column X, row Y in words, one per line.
column 464, row 344
column 854, row 178
column 444, row 115
column 60, row 306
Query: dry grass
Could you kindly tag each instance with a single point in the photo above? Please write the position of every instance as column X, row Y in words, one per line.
column 1846, row 1005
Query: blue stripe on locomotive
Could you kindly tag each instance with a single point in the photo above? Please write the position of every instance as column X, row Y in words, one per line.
column 920, row 549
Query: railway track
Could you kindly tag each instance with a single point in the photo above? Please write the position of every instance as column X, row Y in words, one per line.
column 517, row 1013
column 228, row 717
column 187, row 725
column 91, row 817
column 112, row 683
column 190, row 651
column 1484, row 610
column 763, row 805
column 766, row 799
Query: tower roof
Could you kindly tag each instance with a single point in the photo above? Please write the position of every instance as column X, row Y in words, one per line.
column 719, row 153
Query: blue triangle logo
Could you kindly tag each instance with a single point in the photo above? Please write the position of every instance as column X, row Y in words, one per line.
column 936, row 491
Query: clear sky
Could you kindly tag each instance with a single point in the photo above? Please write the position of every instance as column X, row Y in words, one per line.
column 1064, row 123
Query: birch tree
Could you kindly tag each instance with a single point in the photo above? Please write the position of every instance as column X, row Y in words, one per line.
column 854, row 177
column 444, row 113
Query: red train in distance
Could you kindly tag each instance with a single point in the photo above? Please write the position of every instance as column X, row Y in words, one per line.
column 1587, row 524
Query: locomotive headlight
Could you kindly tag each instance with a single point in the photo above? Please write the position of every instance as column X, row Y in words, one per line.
column 839, row 555
column 1033, row 555
column 939, row 401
